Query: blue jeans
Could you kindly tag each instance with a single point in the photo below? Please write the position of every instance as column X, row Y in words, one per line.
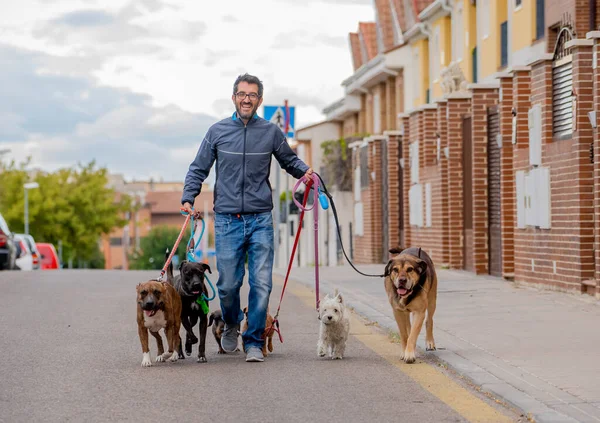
column 236, row 236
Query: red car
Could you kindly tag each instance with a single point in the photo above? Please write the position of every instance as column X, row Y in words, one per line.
column 49, row 256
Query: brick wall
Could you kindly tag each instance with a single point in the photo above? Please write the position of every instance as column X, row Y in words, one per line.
column 394, row 148
column 596, row 140
column 483, row 98
column 507, row 178
column 404, row 122
column 442, row 131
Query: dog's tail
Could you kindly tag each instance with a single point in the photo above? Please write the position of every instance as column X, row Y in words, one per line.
column 169, row 269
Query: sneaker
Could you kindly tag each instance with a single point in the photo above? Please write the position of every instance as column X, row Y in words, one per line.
column 254, row 354
column 229, row 339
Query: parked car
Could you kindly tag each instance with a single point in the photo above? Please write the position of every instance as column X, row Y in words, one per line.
column 8, row 248
column 24, row 257
column 35, row 254
column 48, row 255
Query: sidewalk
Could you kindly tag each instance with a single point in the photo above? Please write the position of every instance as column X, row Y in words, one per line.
column 538, row 350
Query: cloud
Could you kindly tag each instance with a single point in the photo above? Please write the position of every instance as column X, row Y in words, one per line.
column 303, row 38
column 214, row 57
column 79, row 121
column 230, row 19
column 83, row 18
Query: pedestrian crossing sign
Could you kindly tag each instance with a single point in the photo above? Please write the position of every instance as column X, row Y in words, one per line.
column 277, row 115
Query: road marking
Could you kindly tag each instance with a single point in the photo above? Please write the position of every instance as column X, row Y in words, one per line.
column 429, row 377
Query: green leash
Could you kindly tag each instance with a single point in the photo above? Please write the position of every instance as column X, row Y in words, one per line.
column 203, row 303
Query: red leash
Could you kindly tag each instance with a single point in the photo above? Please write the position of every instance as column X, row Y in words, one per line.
column 275, row 325
column 314, row 183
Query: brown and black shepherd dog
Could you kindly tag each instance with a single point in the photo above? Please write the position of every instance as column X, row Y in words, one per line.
column 411, row 286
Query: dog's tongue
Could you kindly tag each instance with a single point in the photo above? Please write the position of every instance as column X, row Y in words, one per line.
column 195, row 292
column 149, row 313
column 402, row 291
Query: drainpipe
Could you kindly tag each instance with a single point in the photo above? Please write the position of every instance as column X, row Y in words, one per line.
column 592, row 15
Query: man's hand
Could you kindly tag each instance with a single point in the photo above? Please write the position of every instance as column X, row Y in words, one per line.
column 308, row 175
column 187, row 207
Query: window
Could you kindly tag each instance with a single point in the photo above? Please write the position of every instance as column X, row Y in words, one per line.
column 504, row 44
column 116, row 241
column 539, row 19
column 518, row 3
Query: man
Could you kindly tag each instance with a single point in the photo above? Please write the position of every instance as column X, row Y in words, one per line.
column 242, row 146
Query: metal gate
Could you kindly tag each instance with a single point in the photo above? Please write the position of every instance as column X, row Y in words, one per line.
column 467, row 194
column 384, row 201
column 494, row 195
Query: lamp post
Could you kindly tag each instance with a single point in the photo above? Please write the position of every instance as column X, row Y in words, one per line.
column 28, row 186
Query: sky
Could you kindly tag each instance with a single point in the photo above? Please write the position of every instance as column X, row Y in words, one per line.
column 135, row 84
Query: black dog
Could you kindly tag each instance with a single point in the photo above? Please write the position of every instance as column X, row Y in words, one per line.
column 190, row 286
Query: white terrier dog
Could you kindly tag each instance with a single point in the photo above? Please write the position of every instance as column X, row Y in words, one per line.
column 334, row 328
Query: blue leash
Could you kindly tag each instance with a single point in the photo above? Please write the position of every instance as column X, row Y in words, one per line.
column 191, row 257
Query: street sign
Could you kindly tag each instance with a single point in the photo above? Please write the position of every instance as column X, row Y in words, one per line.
column 277, row 115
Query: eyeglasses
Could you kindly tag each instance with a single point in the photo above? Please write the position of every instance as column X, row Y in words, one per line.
column 243, row 95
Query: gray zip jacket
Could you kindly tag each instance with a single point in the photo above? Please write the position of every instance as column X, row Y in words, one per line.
column 243, row 154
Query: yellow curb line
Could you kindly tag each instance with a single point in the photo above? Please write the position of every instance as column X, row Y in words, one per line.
column 426, row 375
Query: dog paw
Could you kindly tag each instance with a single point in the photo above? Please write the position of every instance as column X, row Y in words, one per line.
column 188, row 349
column 221, row 351
column 201, row 360
column 146, row 362
column 430, row 346
column 181, row 356
column 191, row 340
column 165, row 356
column 174, row 358
column 160, row 359
column 336, row 357
column 409, row 357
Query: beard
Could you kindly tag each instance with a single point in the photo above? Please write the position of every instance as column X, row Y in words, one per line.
column 245, row 114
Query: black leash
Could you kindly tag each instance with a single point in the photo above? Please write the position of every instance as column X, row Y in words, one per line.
column 337, row 225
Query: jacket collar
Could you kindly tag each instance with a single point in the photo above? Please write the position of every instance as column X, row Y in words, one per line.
column 234, row 116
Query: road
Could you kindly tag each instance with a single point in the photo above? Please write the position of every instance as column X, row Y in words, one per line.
column 71, row 353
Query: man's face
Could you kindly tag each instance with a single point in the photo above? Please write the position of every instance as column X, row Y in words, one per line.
column 246, row 105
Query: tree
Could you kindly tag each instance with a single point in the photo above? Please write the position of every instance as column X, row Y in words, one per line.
column 71, row 205
column 153, row 247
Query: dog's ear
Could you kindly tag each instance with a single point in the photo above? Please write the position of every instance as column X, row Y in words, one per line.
column 421, row 266
column 395, row 250
column 339, row 298
column 205, row 267
column 388, row 268
column 181, row 264
column 245, row 310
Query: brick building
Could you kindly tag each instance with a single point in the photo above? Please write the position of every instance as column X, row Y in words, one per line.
column 498, row 177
